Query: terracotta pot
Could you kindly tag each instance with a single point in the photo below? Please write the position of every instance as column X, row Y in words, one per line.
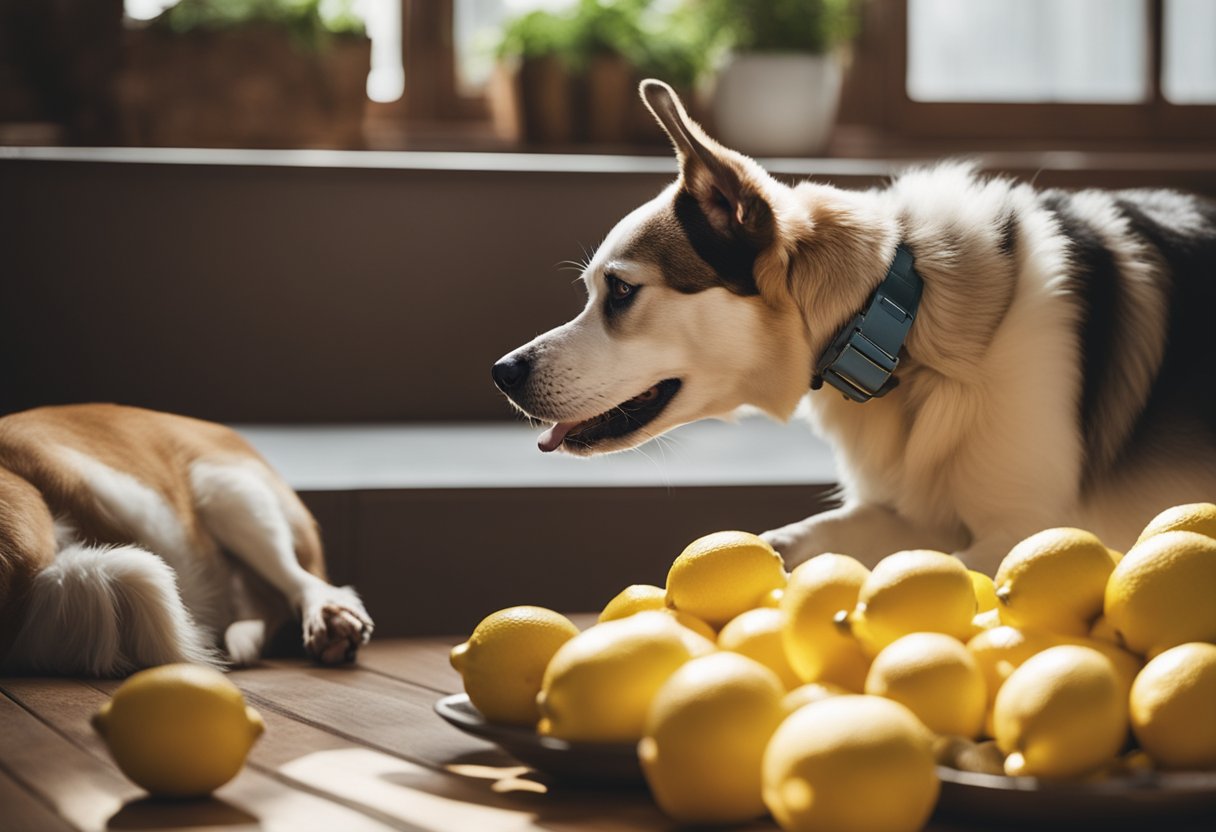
column 246, row 87
column 610, row 92
column 777, row 104
column 545, row 89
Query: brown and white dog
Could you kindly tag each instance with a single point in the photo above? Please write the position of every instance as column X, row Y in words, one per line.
column 1058, row 370
column 131, row 538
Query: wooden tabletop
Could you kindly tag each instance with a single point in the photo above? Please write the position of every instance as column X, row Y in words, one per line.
column 349, row 749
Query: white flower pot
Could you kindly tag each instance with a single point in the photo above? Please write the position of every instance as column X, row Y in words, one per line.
column 777, row 103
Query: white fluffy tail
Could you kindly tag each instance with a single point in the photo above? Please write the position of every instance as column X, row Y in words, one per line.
column 104, row 611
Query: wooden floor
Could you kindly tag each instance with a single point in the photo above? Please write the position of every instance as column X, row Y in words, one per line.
column 348, row 749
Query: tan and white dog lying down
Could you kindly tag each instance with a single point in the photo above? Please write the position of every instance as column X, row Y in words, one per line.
column 131, row 538
column 1053, row 350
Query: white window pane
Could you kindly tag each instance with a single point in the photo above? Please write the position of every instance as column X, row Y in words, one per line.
column 477, row 27
column 1188, row 72
column 1027, row 50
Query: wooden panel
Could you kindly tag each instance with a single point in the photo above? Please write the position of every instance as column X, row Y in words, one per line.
column 439, row 561
column 423, row 662
column 22, row 810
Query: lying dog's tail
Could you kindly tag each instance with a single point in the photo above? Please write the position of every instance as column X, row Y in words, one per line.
column 105, row 611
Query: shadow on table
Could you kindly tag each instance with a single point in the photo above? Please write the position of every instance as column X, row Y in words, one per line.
column 161, row 813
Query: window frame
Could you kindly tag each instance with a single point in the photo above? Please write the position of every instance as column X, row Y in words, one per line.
column 1152, row 121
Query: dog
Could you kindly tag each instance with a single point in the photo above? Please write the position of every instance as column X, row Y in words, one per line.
column 131, row 538
column 1010, row 359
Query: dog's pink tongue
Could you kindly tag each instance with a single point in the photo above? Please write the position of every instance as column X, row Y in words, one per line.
column 551, row 439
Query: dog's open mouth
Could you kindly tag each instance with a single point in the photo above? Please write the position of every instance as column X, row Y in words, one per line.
column 622, row 420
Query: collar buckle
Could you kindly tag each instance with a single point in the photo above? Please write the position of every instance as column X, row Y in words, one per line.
column 862, row 358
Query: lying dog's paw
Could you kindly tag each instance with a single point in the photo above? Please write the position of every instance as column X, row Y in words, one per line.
column 335, row 625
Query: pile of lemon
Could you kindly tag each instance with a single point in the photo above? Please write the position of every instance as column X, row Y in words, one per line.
column 753, row 691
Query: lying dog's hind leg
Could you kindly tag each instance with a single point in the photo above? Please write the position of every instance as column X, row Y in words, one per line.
column 861, row 530
column 249, row 517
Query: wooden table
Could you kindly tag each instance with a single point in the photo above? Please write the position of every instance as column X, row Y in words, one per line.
column 349, row 749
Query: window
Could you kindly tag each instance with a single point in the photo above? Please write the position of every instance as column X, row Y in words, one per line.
column 1028, row 50
column 962, row 74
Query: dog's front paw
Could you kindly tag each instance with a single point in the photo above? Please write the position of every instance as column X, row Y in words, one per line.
column 335, row 625
column 795, row 543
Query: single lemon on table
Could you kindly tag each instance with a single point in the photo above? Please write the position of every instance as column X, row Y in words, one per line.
column 633, row 599
column 1160, row 595
column 179, row 730
column 917, row 591
column 1054, row 581
column 935, row 677
column 1062, row 713
column 810, row 693
column 985, row 591
column 817, row 648
column 1173, row 707
column 504, row 660
column 600, row 683
column 757, row 635
column 1192, row 517
column 723, row 574
column 705, row 736
column 851, row 764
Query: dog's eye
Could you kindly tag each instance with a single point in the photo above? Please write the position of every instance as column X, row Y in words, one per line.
column 618, row 289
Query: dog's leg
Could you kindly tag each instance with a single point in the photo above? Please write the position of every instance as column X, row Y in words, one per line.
column 252, row 519
column 864, row 531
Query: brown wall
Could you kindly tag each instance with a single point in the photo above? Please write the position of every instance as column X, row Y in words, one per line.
column 265, row 292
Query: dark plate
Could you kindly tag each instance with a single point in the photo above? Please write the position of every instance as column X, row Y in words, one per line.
column 987, row 797
column 607, row 764
column 1118, row 801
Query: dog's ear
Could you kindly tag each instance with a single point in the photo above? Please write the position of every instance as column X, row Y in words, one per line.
column 714, row 175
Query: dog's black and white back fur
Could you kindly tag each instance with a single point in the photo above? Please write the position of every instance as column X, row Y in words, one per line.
column 1058, row 372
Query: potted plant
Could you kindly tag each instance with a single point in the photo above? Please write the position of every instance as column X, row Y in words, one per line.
column 571, row 76
column 251, row 73
column 778, row 91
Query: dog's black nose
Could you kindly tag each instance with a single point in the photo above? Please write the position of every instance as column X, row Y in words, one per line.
column 510, row 373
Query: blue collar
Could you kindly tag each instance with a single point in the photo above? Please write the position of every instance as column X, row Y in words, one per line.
column 861, row 360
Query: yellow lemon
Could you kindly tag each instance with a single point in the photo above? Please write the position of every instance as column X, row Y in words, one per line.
column 1062, row 713
column 1192, row 517
column 706, row 731
column 757, row 635
column 811, row 692
column 1160, row 594
column 722, row 575
column 818, row 650
column 851, row 764
column 773, row 597
column 1103, row 630
column 935, row 677
column 179, row 730
column 599, row 684
column 504, row 660
column 1000, row 651
column 1126, row 664
column 986, row 620
column 1054, row 581
column 632, row 599
column 985, row 591
column 1173, row 707
column 693, row 623
column 917, row 591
